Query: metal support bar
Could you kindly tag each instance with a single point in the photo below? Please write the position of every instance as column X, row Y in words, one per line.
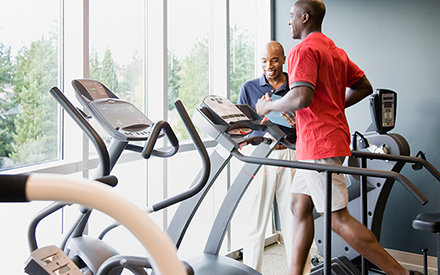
column 364, row 211
column 328, row 224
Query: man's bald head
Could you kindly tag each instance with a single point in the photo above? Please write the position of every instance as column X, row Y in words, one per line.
column 315, row 8
column 274, row 46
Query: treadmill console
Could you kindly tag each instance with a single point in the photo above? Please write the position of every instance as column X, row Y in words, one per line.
column 227, row 113
column 383, row 110
column 121, row 119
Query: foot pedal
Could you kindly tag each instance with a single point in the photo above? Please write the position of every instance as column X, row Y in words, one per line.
column 50, row 260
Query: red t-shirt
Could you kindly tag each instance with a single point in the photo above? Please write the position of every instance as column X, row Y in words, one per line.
column 322, row 127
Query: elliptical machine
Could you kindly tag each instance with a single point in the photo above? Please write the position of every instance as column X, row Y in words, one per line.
column 124, row 123
column 51, row 260
column 375, row 149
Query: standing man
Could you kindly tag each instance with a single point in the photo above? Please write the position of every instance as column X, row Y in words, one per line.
column 270, row 181
column 319, row 74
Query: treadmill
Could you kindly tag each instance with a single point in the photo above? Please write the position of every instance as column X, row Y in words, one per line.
column 230, row 125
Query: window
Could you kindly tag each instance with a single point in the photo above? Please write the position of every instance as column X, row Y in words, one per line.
column 149, row 52
column 189, row 34
column 242, row 44
column 116, row 47
column 28, row 69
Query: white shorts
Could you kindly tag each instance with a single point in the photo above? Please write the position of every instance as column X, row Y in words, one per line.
column 312, row 183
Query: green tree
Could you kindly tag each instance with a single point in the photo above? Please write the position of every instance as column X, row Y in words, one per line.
column 108, row 74
column 174, row 67
column 192, row 78
column 242, row 61
column 194, row 83
column 6, row 67
column 35, row 138
column 130, row 87
column 94, row 65
column 7, row 113
column 104, row 71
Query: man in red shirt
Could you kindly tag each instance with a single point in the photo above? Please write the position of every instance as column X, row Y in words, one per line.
column 323, row 82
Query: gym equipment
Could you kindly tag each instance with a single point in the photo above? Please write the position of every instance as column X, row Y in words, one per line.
column 124, row 123
column 229, row 124
column 375, row 149
column 50, row 260
column 429, row 222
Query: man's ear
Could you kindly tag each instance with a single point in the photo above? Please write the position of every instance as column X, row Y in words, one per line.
column 305, row 17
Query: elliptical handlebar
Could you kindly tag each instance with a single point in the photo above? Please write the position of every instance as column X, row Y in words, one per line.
column 406, row 159
column 85, row 126
column 148, row 149
column 26, row 188
column 32, row 227
column 53, row 207
column 206, row 164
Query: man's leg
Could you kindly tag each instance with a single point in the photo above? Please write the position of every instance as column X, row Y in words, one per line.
column 361, row 239
column 303, row 232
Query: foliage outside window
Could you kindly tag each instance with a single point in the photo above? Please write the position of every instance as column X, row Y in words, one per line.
column 28, row 113
column 188, row 76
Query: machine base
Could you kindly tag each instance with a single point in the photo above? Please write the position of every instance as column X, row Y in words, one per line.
column 219, row 265
column 339, row 266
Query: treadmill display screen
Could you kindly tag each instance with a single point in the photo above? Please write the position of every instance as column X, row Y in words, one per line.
column 121, row 114
column 225, row 109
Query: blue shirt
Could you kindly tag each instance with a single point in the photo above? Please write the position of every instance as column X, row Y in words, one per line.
column 254, row 89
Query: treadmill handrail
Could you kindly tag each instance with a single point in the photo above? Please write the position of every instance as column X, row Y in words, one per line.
column 336, row 169
column 407, row 159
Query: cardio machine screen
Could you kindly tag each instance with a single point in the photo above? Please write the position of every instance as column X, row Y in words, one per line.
column 388, row 109
column 229, row 113
column 121, row 115
column 95, row 89
column 225, row 109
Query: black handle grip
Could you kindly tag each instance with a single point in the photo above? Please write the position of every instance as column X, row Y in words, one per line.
column 13, row 188
column 255, row 140
column 148, row 149
column 109, row 180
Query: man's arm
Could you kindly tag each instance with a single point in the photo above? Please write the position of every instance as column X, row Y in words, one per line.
column 357, row 92
column 297, row 98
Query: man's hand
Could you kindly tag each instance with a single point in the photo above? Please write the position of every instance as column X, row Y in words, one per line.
column 262, row 103
column 290, row 118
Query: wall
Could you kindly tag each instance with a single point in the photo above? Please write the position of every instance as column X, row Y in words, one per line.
column 396, row 43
